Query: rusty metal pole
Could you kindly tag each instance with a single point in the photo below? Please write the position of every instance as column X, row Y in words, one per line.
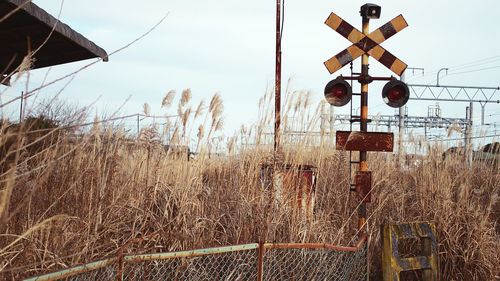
column 277, row 122
column 260, row 261
column 363, row 165
column 277, row 86
column 401, row 128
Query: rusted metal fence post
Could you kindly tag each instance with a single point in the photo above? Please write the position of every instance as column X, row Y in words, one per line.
column 119, row 265
column 260, row 261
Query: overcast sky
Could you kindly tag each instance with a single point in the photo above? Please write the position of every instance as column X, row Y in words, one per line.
column 228, row 47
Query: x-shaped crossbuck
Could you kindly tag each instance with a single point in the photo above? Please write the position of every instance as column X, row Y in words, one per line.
column 366, row 44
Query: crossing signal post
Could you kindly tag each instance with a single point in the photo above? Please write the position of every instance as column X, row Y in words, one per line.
column 395, row 94
column 338, row 92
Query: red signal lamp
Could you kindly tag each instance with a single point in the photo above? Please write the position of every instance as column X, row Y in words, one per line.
column 395, row 93
column 338, row 92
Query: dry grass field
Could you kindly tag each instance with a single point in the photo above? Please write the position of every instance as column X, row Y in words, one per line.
column 67, row 200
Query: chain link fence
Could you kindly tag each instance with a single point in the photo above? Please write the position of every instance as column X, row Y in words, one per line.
column 296, row 263
column 226, row 263
column 243, row 262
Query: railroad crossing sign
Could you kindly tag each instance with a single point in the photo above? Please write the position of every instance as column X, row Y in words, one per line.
column 366, row 44
column 338, row 92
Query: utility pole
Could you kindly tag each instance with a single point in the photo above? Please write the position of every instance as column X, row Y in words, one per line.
column 402, row 109
column 482, row 112
column 401, row 126
column 466, row 132
column 468, row 135
column 277, row 96
column 402, row 113
column 138, row 129
column 425, row 130
column 332, row 121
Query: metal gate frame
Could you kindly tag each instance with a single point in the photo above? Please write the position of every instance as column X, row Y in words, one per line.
column 257, row 257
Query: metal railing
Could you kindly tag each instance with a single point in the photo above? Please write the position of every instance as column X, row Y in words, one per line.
column 265, row 261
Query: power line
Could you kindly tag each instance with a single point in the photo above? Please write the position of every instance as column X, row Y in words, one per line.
column 479, row 62
column 479, row 137
column 475, row 65
column 475, row 70
column 497, row 57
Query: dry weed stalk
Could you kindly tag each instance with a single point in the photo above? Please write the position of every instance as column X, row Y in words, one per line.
column 76, row 200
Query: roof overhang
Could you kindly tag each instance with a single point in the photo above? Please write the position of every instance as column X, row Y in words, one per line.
column 24, row 27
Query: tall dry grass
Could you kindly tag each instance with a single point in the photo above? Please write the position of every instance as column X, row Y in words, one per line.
column 69, row 200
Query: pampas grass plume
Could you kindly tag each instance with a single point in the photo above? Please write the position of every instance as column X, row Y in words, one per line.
column 168, row 99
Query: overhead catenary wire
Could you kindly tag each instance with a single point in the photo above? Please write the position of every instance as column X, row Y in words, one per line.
column 455, row 139
column 465, row 65
column 475, row 63
column 474, row 70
